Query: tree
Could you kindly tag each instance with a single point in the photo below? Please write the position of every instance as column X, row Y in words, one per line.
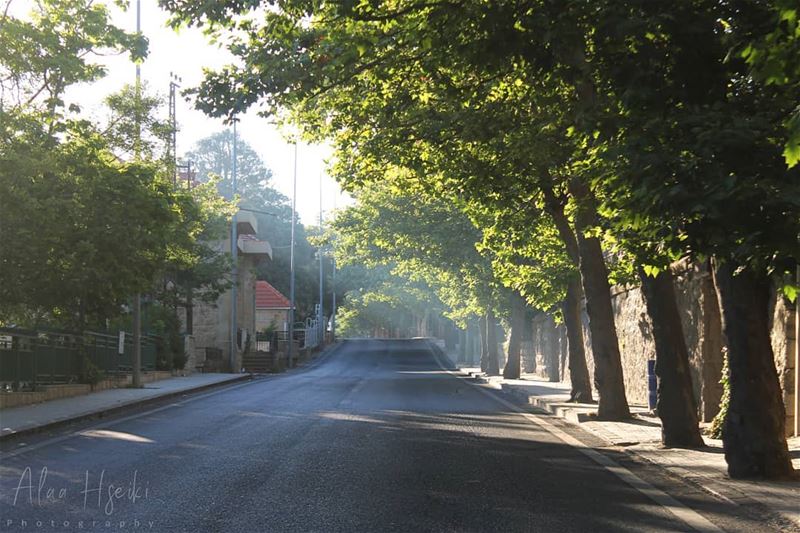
column 653, row 128
column 516, row 324
column 772, row 54
column 41, row 55
column 61, row 268
column 137, row 128
column 76, row 268
column 425, row 240
column 378, row 303
column 356, row 98
column 82, row 227
column 213, row 156
column 697, row 146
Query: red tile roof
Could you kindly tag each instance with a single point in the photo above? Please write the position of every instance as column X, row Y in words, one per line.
column 268, row 297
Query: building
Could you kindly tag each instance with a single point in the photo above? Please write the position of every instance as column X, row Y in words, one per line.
column 272, row 308
column 209, row 344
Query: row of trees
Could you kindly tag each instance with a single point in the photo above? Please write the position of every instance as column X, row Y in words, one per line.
column 589, row 139
column 89, row 215
column 378, row 303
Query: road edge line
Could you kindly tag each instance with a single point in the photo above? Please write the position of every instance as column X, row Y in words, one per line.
column 684, row 513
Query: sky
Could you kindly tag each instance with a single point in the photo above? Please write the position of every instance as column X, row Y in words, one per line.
column 185, row 54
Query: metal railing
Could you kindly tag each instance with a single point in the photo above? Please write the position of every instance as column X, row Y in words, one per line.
column 306, row 335
column 314, row 332
column 28, row 357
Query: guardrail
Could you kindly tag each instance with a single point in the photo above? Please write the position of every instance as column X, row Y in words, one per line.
column 28, row 357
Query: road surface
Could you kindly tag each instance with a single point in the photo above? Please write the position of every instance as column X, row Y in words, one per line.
column 377, row 436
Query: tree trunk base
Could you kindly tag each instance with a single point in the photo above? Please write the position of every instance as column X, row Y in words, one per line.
column 581, row 397
column 581, row 387
column 753, row 434
column 676, row 405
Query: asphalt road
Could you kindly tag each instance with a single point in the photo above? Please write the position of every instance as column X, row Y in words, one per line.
column 375, row 437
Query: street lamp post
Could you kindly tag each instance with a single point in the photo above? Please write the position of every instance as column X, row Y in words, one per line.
column 137, row 299
column 320, row 314
column 290, row 349
column 333, row 287
column 234, row 256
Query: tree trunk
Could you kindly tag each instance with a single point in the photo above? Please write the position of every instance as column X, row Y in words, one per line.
column 676, row 403
column 512, row 368
column 462, row 345
column 608, row 378
column 581, row 388
column 484, row 344
column 753, row 434
column 450, row 337
column 492, row 362
column 469, row 345
column 189, row 310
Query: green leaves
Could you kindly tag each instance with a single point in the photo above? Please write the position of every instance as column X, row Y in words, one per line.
column 42, row 55
column 774, row 59
column 651, row 270
column 791, row 152
column 791, row 291
column 83, row 223
column 84, row 232
column 672, row 118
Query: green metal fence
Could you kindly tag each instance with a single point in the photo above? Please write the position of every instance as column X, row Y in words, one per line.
column 31, row 357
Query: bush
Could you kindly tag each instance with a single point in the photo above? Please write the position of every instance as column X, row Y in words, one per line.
column 715, row 431
column 169, row 346
column 179, row 360
column 92, row 375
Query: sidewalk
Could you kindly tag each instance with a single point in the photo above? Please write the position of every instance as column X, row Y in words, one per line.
column 641, row 437
column 25, row 419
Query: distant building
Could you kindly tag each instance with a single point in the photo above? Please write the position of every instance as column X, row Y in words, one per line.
column 211, row 328
column 272, row 308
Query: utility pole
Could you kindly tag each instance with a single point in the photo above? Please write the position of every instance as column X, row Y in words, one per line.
column 291, row 264
column 174, row 83
column 137, row 299
column 333, row 302
column 333, row 286
column 321, row 314
column 235, row 258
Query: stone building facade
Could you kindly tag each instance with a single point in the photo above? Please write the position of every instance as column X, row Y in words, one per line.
column 211, row 328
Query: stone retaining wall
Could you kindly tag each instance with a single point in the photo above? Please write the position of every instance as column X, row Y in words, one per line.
column 56, row 392
column 696, row 298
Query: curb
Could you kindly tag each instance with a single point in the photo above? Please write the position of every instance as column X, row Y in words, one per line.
column 559, row 409
column 116, row 409
column 714, row 487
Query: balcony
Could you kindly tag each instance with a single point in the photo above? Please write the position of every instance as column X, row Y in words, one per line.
column 246, row 223
column 249, row 245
